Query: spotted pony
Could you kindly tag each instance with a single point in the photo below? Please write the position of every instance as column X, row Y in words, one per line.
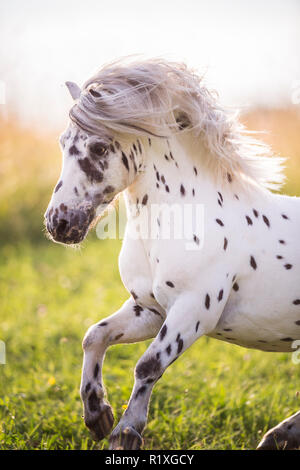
column 152, row 130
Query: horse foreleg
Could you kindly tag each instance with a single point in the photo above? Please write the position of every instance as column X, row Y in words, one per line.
column 130, row 324
column 285, row 435
column 186, row 321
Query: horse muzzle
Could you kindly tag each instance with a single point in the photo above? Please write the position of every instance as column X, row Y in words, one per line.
column 68, row 226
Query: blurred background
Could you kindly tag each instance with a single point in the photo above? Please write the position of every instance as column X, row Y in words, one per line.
column 49, row 295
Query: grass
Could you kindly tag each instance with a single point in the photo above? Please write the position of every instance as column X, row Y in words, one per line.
column 217, row 396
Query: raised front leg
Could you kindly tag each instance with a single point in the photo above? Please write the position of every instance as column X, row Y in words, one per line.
column 285, row 436
column 187, row 320
column 130, row 324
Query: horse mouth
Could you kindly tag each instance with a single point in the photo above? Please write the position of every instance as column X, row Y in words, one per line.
column 74, row 237
column 69, row 228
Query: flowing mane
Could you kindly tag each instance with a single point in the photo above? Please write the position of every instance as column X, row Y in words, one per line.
column 157, row 97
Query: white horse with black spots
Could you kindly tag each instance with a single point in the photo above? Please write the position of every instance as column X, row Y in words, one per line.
column 152, row 130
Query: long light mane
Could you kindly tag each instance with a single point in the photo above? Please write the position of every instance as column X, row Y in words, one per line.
column 150, row 97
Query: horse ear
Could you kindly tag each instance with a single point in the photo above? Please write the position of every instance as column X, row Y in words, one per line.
column 73, row 89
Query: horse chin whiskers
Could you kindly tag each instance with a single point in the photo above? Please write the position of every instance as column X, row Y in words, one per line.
column 72, row 246
column 46, row 232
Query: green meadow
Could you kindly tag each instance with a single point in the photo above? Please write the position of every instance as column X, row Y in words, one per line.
column 216, row 396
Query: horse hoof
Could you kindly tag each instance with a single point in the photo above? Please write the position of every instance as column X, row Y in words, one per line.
column 101, row 425
column 285, row 436
column 278, row 441
column 127, row 439
column 270, row 441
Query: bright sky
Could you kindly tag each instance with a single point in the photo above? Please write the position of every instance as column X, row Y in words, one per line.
column 248, row 48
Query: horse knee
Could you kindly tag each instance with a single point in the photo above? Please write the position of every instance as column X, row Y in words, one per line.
column 94, row 335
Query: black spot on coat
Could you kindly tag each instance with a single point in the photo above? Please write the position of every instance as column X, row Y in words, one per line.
column 163, row 332
column 220, row 222
column 90, row 170
column 148, row 367
column 180, row 346
column 220, row 296
column 138, row 309
column 119, row 336
column 96, row 371
column 134, row 295
column 58, row 186
column 253, row 263
column 170, row 284
column 74, row 150
column 108, row 189
column 225, row 243
column 207, row 301
column 266, row 221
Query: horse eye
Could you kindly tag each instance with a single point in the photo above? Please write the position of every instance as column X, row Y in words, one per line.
column 98, row 149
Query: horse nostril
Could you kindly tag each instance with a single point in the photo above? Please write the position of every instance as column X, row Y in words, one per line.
column 62, row 227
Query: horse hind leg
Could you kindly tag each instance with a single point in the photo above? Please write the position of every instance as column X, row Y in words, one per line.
column 132, row 323
column 284, row 436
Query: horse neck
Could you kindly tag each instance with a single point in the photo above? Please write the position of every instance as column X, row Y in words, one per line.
column 175, row 172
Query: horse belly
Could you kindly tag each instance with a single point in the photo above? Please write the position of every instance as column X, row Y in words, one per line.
column 265, row 322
